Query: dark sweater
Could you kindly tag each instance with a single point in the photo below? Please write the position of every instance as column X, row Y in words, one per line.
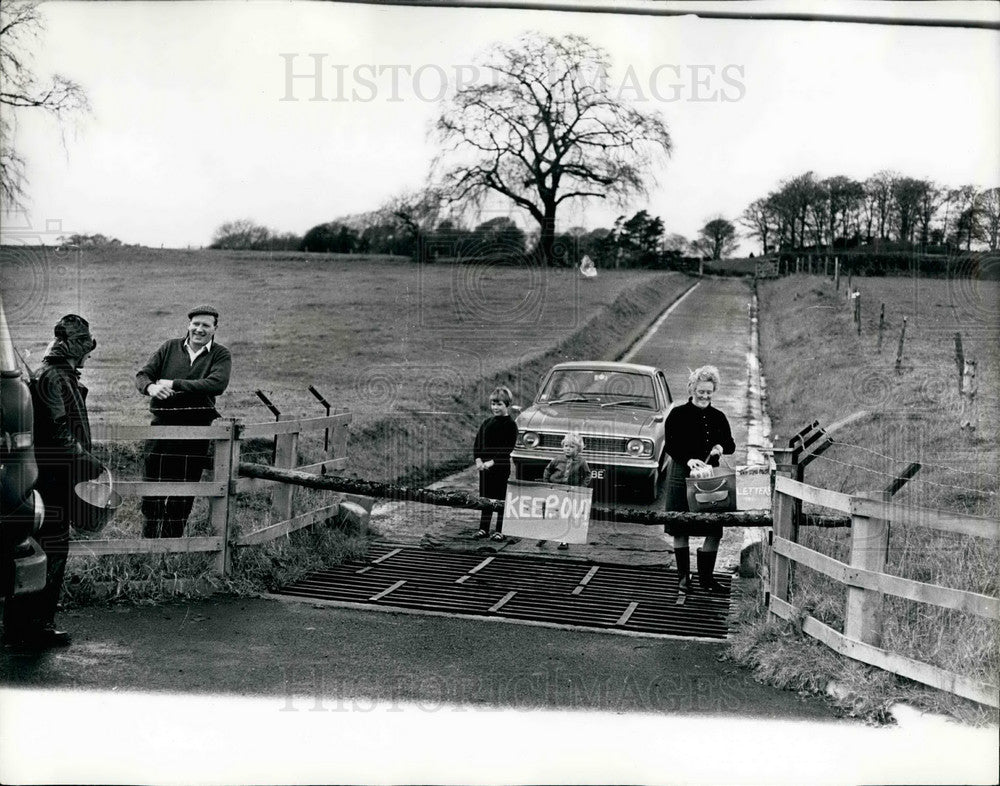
column 495, row 440
column 195, row 384
column 691, row 432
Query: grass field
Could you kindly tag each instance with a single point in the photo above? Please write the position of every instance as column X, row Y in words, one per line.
column 374, row 334
column 818, row 367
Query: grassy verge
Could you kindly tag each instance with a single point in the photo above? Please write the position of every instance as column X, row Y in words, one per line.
column 819, row 367
column 412, row 351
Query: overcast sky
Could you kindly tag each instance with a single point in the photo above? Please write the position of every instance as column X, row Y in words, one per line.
column 189, row 128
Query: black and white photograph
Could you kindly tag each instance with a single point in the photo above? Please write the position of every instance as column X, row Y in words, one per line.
column 499, row 392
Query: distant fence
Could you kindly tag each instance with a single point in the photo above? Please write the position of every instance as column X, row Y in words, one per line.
column 867, row 583
column 227, row 437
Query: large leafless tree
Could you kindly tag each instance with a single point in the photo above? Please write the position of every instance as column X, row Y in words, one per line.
column 21, row 89
column 546, row 129
column 717, row 239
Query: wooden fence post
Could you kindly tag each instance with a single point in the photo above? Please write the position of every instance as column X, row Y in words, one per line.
column 836, row 274
column 857, row 311
column 960, row 362
column 286, row 456
column 869, row 550
column 826, row 266
column 784, row 525
column 881, row 327
column 970, row 415
column 899, row 350
column 224, row 468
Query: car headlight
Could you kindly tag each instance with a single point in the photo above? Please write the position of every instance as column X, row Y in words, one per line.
column 639, row 447
column 530, row 439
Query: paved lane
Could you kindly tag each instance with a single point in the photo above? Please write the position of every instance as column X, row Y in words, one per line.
column 709, row 325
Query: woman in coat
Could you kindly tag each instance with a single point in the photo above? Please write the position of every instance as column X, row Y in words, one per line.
column 697, row 434
column 63, row 452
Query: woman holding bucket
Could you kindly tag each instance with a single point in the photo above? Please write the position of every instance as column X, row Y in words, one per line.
column 63, row 452
column 697, row 435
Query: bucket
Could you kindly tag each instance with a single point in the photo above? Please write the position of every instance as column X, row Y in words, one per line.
column 716, row 494
column 96, row 503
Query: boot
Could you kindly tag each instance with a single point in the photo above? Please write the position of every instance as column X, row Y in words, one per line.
column 706, row 567
column 683, row 559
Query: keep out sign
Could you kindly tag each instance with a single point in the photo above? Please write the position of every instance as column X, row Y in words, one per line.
column 547, row 511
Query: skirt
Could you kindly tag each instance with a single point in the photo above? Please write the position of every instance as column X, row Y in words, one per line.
column 675, row 499
column 493, row 481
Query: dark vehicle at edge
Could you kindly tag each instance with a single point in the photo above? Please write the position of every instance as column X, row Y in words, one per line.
column 22, row 561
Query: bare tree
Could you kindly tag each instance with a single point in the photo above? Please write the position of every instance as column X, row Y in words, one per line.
column 243, row 233
column 21, row 26
column 717, row 239
column 963, row 215
column 989, row 224
column 843, row 196
column 907, row 197
column 545, row 131
column 930, row 200
column 793, row 204
column 878, row 203
column 759, row 217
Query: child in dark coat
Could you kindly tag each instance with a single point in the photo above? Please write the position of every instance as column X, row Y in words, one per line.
column 571, row 469
column 492, row 448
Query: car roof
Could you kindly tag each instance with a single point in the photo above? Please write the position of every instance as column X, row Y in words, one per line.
column 605, row 365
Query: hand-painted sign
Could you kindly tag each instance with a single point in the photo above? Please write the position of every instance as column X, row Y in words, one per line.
column 547, row 511
column 753, row 488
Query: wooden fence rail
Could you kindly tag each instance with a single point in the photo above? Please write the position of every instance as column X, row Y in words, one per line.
column 867, row 583
column 227, row 437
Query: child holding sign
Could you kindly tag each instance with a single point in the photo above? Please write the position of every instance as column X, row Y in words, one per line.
column 492, row 448
column 571, row 469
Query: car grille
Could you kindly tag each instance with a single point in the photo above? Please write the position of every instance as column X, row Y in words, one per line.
column 592, row 444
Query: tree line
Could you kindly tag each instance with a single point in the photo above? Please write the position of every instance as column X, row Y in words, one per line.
column 837, row 212
column 639, row 241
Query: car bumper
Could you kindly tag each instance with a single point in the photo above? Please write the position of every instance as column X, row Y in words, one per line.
column 529, row 465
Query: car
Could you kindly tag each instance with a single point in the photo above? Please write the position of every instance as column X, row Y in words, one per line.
column 620, row 409
column 22, row 561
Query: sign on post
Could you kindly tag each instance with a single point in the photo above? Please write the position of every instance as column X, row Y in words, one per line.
column 547, row 511
column 753, row 487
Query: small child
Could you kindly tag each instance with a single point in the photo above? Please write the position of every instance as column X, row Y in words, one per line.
column 492, row 448
column 572, row 470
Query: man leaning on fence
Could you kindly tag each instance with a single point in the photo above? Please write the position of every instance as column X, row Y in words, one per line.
column 182, row 379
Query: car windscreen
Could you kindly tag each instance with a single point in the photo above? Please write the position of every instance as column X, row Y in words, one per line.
column 599, row 386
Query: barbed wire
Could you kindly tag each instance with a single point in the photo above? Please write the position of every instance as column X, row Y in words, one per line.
column 924, row 463
column 911, row 480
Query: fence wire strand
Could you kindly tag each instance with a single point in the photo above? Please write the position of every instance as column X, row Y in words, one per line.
column 922, row 462
column 912, row 480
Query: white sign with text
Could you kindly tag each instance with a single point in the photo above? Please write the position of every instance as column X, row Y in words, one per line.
column 547, row 511
column 753, row 488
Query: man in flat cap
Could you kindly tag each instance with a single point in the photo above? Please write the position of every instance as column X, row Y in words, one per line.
column 182, row 379
column 63, row 453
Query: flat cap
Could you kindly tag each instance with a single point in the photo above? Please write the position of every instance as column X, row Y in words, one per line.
column 203, row 310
